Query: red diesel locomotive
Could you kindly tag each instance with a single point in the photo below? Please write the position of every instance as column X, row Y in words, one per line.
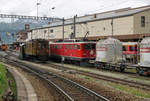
column 73, row 50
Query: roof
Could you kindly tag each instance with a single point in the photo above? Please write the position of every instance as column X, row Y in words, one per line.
column 101, row 16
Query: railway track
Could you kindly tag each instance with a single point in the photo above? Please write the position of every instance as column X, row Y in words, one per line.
column 103, row 77
column 116, row 71
column 106, row 78
column 66, row 89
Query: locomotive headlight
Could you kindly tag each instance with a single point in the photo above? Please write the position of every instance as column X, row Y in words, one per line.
column 91, row 52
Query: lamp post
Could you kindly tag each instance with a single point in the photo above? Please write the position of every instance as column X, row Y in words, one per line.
column 37, row 8
column 63, row 23
column 63, row 27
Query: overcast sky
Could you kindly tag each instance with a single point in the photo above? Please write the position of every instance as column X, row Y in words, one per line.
column 65, row 8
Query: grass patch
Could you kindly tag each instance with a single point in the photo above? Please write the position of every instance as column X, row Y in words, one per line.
column 86, row 77
column 3, row 83
column 130, row 90
column 12, row 85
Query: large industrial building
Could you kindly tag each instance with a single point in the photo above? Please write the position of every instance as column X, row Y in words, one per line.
column 128, row 24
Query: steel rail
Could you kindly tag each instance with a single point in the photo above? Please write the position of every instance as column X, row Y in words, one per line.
column 40, row 73
column 107, row 78
column 93, row 94
column 58, row 89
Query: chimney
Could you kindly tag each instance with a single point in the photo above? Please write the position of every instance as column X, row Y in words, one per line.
column 27, row 26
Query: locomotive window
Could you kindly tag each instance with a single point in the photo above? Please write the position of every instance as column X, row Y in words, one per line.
column 56, row 46
column 86, row 46
column 65, row 46
column 131, row 48
column 124, row 48
column 70, row 46
column 59, row 46
column 53, row 46
column 74, row 47
column 78, row 46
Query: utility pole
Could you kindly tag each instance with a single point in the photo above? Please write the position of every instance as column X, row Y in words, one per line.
column 0, row 40
column 74, row 27
column 112, row 24
column 63, row 32
column 63, row 26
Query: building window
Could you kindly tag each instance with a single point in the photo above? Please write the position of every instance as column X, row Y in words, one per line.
column 142, row 21
column 51, row 31
column 45, row 31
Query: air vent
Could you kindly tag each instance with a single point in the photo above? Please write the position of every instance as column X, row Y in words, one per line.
column 94, row 15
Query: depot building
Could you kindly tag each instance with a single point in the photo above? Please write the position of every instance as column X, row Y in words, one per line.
column 128, row 24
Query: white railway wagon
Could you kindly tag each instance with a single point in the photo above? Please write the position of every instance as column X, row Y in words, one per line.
column 109, row 54
column 144, row 65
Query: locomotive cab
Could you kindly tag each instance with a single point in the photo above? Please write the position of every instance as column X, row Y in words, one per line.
column 89, row 50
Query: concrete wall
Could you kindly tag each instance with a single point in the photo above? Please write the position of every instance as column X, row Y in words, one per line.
column 123, row 26
column 100, row 28
column 137, row 23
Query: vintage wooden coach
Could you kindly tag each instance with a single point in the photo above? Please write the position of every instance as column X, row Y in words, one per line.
column 37, row 48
